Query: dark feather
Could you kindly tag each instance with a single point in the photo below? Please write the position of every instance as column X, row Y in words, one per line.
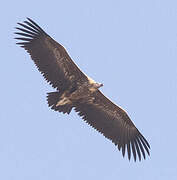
column 138, row 150
column 50, row 57
column 114, row 123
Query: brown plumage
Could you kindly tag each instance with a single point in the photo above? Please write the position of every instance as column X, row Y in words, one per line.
column 76, row 90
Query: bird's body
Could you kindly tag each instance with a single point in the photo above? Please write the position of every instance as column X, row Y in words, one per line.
column 81, row 92
column 75, row 90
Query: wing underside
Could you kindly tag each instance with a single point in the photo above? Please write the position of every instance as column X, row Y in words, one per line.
column 114, row 123
column 50, row 57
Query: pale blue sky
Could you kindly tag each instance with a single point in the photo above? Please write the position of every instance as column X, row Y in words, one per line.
column 129, row 46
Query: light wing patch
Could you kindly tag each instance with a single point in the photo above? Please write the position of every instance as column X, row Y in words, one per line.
column 63, row 101
column 91, row 81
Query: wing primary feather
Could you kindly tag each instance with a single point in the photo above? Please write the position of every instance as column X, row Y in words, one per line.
column 23, row 39
column 125, row 140
column 133, row 150
column 123, row 149
column 145, row 140
column 119, row 147
column 120, row 142
column 141, row 147
column 32, row 26
column 24, row 34
column 29, row 28
column 129, row 150
column 144, row 144
column 22, row 43
column 128, row 144
column 26, row 31
column 137, row 149
column 36, row 25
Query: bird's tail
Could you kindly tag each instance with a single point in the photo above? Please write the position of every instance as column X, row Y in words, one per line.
column 53, row 98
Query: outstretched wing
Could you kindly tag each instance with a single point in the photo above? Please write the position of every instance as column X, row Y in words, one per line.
column 49, row 56
column 114, row 123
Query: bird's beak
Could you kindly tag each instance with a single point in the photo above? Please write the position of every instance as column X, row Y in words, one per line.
column 99, row 85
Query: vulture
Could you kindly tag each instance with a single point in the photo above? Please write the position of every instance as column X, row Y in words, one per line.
column 75, row 90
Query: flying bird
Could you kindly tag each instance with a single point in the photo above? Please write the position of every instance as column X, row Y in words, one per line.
column 75, row 90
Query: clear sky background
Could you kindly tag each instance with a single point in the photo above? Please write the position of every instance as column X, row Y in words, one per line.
column 129, row 46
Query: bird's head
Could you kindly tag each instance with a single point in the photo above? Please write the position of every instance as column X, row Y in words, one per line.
column 97, row 85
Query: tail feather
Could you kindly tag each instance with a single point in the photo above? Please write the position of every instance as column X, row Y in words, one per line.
column 53, row 98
